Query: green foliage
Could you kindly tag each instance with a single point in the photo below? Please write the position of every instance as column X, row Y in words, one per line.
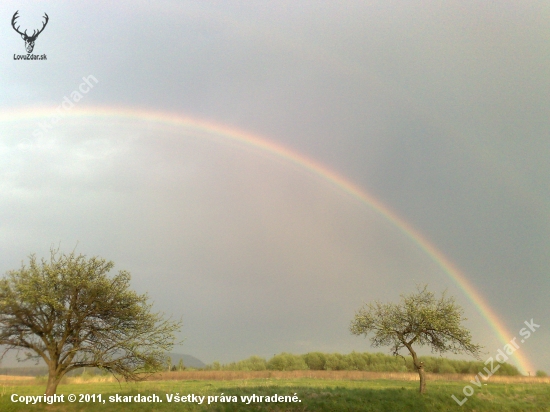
column 180, row 366
column 315, row 361
column 437, row 365
column 216, row 366
column 254, row 363
column 419, row 319
column 505, row 370
column 443, row 365
column 541, row 374
column 70, row 313
column 355, row 361
column 286, row 362
column 336, row 361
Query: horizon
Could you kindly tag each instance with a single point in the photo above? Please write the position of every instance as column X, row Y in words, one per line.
column 262, row 171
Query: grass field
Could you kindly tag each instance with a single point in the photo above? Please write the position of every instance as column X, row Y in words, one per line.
column 317, row 391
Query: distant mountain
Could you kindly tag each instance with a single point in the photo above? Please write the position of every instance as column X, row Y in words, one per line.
column 188, row 360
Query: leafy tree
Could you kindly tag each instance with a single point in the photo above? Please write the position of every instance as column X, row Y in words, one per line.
column 315, row 360
column 181, row 366
column 253, row 363
column 286, row 362
column 419, row 319
column 70, row 313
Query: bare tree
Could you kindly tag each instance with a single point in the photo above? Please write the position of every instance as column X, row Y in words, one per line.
column 70, row 313
column 419, row 319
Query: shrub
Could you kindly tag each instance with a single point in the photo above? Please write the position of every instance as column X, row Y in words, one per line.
column 356, row 361
column 374, row 362
column 254, row 363
column 445, row 367
column 334, row 362
column 286, row 362
column 315, row 361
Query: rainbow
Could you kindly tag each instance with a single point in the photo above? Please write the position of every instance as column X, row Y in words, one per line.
column 303, row 162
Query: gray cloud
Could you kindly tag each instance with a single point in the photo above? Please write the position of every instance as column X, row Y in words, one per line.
column 441, row 112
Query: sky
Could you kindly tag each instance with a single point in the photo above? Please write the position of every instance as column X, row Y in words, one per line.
column 263, row 169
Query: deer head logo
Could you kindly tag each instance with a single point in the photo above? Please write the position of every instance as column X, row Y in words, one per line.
column 29, row 40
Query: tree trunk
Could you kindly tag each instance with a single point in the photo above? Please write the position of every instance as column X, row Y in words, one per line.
column 419, row 367
column 51, row 387
column 53, row 381
column 422, row 375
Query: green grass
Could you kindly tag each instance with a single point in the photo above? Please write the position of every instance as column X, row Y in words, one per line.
column 315, row 395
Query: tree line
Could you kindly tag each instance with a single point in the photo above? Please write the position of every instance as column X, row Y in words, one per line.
column 69, row 312
column 356, row 361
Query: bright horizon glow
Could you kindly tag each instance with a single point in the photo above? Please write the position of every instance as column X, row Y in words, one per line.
column 303, row 162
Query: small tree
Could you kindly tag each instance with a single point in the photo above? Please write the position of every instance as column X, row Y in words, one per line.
column 420, row 319
column 72, row 315
column 181, row 366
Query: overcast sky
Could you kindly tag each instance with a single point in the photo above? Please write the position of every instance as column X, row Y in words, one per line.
column 441, row 111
